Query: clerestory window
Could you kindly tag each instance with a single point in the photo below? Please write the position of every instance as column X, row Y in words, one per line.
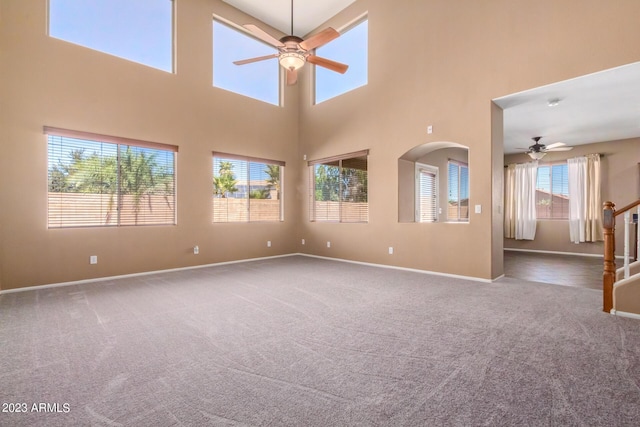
column 259, row 80
column 350, row 48
column 137, row 30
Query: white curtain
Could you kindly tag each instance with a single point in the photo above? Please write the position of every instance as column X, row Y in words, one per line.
column 525, row 195
column 585, row 207
column 510, row 202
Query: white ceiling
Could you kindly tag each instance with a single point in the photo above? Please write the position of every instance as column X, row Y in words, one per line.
column 599, row 107
column 307, row 14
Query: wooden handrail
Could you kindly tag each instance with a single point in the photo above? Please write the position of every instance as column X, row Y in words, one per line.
column 626, row 208
column 609, row 275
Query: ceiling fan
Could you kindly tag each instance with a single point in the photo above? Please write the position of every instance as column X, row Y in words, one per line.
column 293, row 51
column 538, row 151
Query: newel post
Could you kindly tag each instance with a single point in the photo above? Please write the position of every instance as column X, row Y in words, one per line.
column 609, row 275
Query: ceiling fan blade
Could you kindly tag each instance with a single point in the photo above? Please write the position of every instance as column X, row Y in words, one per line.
column 556, row 145
column 264, row 36
column 292, row 77
column 259, row 58
column 559, row 149
column 323, row 37
column 327, row 63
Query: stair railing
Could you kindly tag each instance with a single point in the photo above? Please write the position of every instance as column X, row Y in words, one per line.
column 609, row 224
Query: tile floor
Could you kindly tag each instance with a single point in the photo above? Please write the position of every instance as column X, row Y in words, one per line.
column 568, row 270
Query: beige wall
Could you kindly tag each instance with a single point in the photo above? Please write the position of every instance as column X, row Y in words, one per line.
column 440, row 63
column 407, row 181
column 620, row 184
column 455, row 56
column 45, row 81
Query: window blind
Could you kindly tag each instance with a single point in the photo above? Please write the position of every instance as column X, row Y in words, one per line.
column 98, row 180
column 246, row 189
column 427, row 196
column 338, row 188
column 552, row 191
column 458, row 186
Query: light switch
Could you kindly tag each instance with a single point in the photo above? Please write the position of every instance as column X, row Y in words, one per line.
column 478, row 209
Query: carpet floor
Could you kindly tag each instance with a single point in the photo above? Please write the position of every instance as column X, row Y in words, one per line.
column 299, row 341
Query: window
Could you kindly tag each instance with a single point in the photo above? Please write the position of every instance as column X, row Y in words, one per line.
column 552, row 192
column 426, row 193
column 97, row 180
column 137, row 30
column 338, row 188
column 246, row 189
column 258, row 80
column 351, row 49
column 458, row 204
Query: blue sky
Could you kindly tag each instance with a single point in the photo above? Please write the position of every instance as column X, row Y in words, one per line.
column 553, row 178
column 351, row 49
column 60, row 148
column 141, row 31
column 454, row 174
column 257, row 80
column 242, row 170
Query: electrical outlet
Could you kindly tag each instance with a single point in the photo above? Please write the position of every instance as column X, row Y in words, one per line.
column 196, row 250
column 303, row 242
column 328, row 244
column 93, row 259
column 390, row 250
column 478, row 209
column 429, row 129
column 268, row 243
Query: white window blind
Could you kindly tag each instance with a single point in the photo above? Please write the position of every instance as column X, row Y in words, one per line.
column 99, row 180
column 458, row 185
column 427, row 194
column 552, row 192
column 246, row 189
column 338, row 188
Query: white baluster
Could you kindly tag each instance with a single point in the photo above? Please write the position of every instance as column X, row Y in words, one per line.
column 627, row 222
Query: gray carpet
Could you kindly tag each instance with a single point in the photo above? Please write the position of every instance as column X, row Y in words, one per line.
column 300, row 341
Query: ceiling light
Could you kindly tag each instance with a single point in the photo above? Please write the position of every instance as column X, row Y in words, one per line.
column 291, row 60
column 536, row 155
column 553, row 102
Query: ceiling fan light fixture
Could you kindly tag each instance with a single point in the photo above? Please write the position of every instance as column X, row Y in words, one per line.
column 291, row 60
column 536, row 155
column 553, row 102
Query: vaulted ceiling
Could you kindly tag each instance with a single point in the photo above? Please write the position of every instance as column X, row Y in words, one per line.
column 599, row 107
column 307, row 14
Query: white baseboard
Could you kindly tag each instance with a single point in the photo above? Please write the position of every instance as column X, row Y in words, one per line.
column 144, row 273
column 556, row 252
column 625, row 314
column 413, row 270
column 147, row 273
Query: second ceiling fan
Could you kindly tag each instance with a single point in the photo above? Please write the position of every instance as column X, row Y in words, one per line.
column 538, row 151
column 294, row 52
